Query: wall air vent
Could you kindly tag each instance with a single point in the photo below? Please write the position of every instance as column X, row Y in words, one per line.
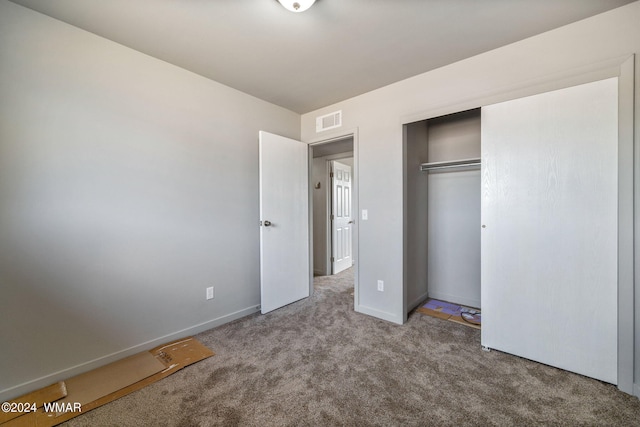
column 329, row 121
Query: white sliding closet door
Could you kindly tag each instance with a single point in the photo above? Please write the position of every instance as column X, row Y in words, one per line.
column 549, row 237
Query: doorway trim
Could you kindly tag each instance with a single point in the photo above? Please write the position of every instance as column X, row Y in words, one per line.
column 329, row 138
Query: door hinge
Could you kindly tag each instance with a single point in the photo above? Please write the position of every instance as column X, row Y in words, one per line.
column 331, row 175
column 333, row 259
column 331, row 217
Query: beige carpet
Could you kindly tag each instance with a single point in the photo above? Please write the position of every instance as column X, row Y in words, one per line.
column 318, row 363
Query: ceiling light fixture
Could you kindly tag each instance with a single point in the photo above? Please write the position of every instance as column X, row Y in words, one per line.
column 297, row 5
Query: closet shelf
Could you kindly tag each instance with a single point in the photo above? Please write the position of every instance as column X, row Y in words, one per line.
column 450, row 164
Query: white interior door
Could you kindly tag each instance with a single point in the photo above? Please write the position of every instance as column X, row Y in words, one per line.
column 284, row 221
column 341, row 217
column 549, row 236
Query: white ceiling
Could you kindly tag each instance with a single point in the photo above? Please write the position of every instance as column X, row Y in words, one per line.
column 335, row 50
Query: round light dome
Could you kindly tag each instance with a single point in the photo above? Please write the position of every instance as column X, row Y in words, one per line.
column 297, row 5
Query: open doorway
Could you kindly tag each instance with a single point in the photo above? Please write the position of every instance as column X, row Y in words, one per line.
column 333, row 205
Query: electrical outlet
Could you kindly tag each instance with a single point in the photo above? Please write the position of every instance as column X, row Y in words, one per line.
column 210, row 292
column 365, row 214
column 381, row 285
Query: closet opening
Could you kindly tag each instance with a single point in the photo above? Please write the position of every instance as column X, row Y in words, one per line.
column 442, row 189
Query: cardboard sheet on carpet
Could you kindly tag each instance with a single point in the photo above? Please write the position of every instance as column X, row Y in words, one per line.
column 93, row 385
column 110, row 382
column 452, row 312
column 44, row 395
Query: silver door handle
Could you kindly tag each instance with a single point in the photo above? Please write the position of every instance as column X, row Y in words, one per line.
column 352, row 222
column 267, row 223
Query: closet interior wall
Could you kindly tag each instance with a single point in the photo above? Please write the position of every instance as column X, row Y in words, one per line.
column 442, row 211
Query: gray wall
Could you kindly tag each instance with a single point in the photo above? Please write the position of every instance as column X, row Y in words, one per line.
column 416, row 152
column 454, row 137
column 127, row 186
column 583, row 51
column 454, row 237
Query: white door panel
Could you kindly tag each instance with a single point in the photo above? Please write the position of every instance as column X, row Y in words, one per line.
column 284, row 215
column 341, row 223
column 549, row 242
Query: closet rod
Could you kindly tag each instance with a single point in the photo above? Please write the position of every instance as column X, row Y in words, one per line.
column 450, row 164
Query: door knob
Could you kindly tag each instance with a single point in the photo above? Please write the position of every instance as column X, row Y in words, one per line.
column 352, row 222
column 267, row 223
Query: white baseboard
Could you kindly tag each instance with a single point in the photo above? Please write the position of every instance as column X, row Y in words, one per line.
column 29, row 386
column 390, row 317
